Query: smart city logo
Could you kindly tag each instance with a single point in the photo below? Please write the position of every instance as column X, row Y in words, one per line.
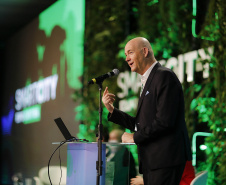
column 29, row 99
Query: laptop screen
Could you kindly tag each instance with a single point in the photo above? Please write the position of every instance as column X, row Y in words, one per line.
column 63, row 129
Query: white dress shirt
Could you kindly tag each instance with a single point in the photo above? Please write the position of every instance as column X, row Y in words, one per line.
column 145, row 76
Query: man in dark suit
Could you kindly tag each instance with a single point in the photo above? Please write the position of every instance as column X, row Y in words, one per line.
column 159, row 125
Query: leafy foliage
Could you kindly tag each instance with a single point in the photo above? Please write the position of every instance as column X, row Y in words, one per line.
column 210, row 103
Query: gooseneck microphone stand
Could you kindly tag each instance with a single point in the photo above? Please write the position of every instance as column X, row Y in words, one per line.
column 99, row 162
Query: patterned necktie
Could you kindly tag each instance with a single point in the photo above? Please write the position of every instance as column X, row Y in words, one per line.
column 142, row 88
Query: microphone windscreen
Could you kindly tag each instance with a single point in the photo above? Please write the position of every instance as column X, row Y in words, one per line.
column 115, row 71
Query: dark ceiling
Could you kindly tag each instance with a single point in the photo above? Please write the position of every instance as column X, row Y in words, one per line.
column 15, row 14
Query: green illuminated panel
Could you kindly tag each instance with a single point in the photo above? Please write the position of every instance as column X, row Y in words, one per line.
column 69, row 16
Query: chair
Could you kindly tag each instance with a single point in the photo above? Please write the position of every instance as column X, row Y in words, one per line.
column 200, row 179
column 55, row 174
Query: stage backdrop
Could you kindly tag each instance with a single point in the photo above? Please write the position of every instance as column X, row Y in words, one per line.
column 43, row 68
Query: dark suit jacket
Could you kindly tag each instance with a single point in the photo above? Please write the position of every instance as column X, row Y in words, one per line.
column 161, row 135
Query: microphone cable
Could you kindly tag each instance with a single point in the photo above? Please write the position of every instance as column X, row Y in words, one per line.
column 63, row 142
column 60, row 167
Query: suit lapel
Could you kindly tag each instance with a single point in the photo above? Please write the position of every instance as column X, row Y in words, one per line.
column 149, row 80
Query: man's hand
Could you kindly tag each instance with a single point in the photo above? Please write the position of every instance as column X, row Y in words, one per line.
column 108, row 100
column 137, row 181
column 127, row 138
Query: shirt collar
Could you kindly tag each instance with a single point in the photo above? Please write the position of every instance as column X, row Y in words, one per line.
column 144, row 77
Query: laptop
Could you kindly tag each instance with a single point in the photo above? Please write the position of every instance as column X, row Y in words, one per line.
column 64, row 129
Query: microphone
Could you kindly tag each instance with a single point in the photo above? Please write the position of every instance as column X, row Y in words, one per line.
column 101, row 78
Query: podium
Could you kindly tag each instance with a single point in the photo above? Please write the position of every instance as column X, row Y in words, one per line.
column 81, row 163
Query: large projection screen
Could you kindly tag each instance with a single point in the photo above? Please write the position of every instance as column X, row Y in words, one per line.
column 43, row 68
